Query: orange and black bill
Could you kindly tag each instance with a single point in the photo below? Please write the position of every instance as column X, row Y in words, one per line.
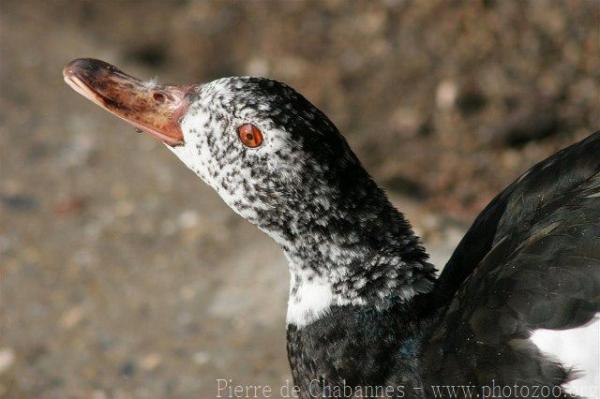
column 153, row 108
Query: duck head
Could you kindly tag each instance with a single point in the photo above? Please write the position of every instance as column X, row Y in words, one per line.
column 269, row 153
column 280, row 163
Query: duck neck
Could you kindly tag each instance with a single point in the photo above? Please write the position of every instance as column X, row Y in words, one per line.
column 357, row 250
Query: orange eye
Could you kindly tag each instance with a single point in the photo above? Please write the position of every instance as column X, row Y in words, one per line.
column 250, row 135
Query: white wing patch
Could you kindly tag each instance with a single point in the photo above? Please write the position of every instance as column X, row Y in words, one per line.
column 578, row 348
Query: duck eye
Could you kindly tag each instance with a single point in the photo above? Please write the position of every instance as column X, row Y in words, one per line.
column 250, row 135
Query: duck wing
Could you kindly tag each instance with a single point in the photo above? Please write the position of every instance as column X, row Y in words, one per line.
column 523, row 281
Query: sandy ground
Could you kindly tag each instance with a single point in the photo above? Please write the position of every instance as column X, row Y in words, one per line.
column 123, row 276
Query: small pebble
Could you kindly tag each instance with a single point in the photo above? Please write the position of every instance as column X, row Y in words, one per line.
column 72, row 205
column 19, row 202
column 127, row 369
column 188, row 219
column 201, row 358
column 445, row 95
column 7, row 358
column 71, row 317
column 150, row 362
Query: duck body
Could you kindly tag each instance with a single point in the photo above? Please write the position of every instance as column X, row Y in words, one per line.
column 367, row 316
column 356, row 350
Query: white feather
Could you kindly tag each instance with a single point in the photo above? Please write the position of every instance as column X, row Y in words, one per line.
column 577, row 348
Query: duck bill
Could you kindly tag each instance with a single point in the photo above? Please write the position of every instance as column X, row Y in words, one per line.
column 150, row 107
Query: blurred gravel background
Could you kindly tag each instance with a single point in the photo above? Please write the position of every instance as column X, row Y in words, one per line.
column 122, row 276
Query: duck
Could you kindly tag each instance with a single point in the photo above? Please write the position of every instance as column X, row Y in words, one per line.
column 514, row 312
